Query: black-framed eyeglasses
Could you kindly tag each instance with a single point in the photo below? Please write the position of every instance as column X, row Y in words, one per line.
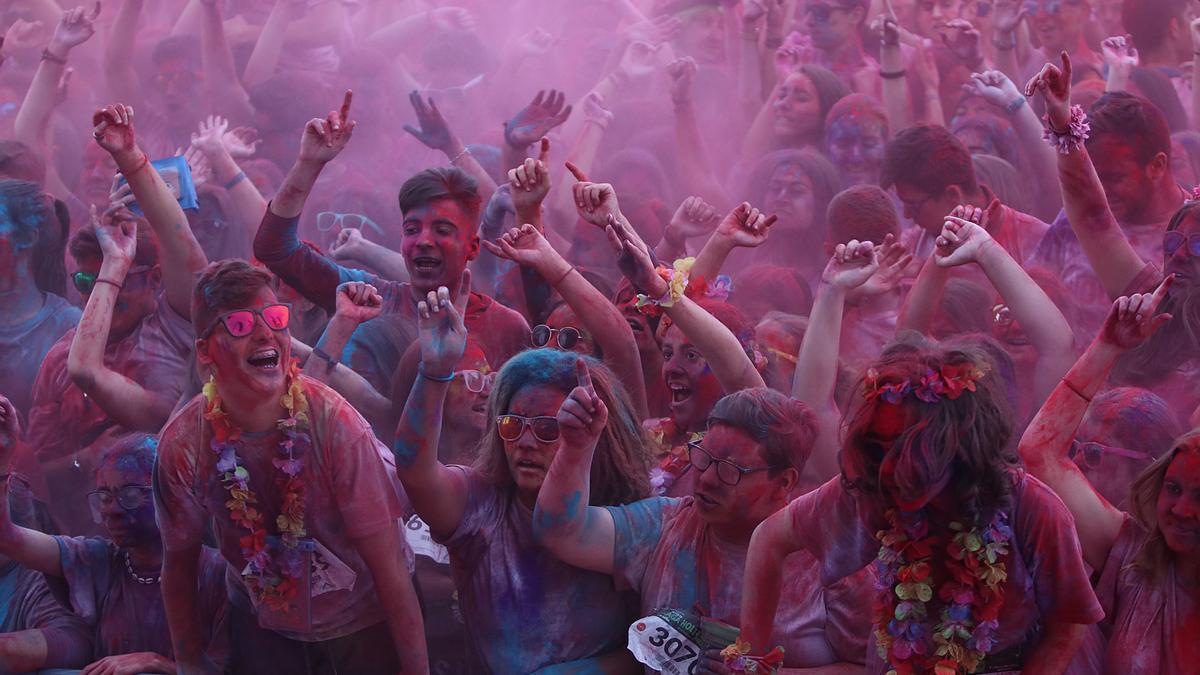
column 240, row 323
column 129, row 498
column 1093, row 453
column 476, row 381
column 821, row 12
column 1173, row 240
column 85, row 282
column 511, row 427
column 728, row 472
column 564, row 338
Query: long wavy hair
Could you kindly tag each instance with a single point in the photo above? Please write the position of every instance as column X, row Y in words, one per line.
column 621, row 465
column 969, row 437
column 1153, row 555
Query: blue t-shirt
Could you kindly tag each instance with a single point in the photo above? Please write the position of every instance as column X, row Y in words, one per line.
column 24, row 345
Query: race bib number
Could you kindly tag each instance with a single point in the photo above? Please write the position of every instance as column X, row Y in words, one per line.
column 658, row 644
column 420, row 539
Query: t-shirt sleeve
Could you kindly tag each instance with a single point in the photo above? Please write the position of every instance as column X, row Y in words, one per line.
column 1045, row 531
column 482, row 511
column 638, row 527
column 827, row 523
column 68, row 639
column 179, row 509
column 365, row 499
column 86, row 564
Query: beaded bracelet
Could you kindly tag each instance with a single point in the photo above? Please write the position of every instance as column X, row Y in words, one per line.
column 1064, row 141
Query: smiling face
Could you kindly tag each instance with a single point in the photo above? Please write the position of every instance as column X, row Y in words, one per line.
column 439, row 239
column 757, row 494
column 855, row 144
column 465, row 418
column 529, row 458
column 1058, row 24
column 797, row 109
column 1178, row 504
column 255, row 364
column 132, row 528
column 694, row 389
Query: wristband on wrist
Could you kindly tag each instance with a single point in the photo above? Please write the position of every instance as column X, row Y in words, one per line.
column 1014, row 105
column 330, row 362
column 1078, row 392
column 434, row 378
column 465, row 151
column 50, row 56
column 1007, row 45
column 892, row 74
column 110, row 282
column 145, row 161
column 1065, row 140
column 241, row 176
column 563, row 277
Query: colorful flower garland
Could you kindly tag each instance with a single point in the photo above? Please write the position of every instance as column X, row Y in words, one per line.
column 271, row 578
column 738, row 659
column 971, row 594
column 950, row 382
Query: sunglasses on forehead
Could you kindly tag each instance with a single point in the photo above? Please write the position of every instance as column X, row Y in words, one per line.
column 240, row 323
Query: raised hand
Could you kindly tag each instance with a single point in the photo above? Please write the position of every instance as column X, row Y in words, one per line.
column 241, row 142
column 434, row 132
column 523, row 245
column 113, row 128
column 536, row 42
column 851, row 266
column 198, row 163
column 116, row 232
column 694, row 218
column 640, row 59
column 682, row 72
column 1133, row 319
column 210, row 136
column 894, row 261
column 75, row 28
column 10, row 431
column 594, row 110
column 358, row 301
column 994, row 87
column 120, row 195
column 537, row 119
column 1119, row 53
column 960, row 242
column 347, row 245
column 529, row 183
column 888, row 29
column 1007, row 15
column 452, row 19
column 746, row 226
column 963, row 40
column 324, row 139
column 441, row 330
column 596, row 202
column 634, row 260
column 1054, row 84
column 25, row 36
column 656, row 31
column 582, row 415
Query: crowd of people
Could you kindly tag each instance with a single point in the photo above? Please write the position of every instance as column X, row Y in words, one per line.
column 600, row 336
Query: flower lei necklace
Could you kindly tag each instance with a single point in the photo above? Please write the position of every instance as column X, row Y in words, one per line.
column 272, row 579
column 971, row 594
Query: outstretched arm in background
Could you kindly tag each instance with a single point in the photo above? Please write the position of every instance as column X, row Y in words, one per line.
column 1044, row 446
column 220, row 75
column 352, row 247
column 744, row 227
column 33, row 549
column 182, row 257
column 435, row 133
column 694, row 218
column 695, row 172
column 119, row 71
column 217, row 143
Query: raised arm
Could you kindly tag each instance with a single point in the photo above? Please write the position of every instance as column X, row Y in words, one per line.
column 269, row 47
column 220, row 75
column 435, row 133
column 963, row 242
column 119, row 71
column 126, row 401
column 596, row 118
column 438, row 493
column 695, row 171
column 815, row 378
column 182, row 257
column 1120, row 57
column 734, row 231
column 693, row 218
column 1006, row 36
column 1111, row 255
column 891, row 69
column 611, row 332
column 1044, row 446
column 352, row 247
column 33, row 549
column 563, row 521
column 721, row 350
column 214, row 140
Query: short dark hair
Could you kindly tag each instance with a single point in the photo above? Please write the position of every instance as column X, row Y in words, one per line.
column 443, row 182
column 783, row 426
column 1148, row 21
column 21, row 162
column 224, row 285
column 41, row 226
column 1132, row 119
column 862, row 212
column 930, row 158
column 85, row 246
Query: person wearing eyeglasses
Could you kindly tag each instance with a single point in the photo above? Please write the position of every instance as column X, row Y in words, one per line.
column 113, row 581
column 297, row 498
column 1147, row 561
column 689, row 552
column 524, row 609
column 126, row 363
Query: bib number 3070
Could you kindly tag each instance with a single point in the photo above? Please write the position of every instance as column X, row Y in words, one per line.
column 658, row 645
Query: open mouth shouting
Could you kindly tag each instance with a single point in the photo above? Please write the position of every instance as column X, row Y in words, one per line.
column 427, row 266
column 265, row 360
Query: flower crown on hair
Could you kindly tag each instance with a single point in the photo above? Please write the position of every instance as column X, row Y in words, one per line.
column 950, row 381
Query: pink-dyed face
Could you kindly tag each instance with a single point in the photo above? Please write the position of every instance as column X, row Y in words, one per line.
column 466, row 410
column 529, row 458
column 256, row 363
column 439, row 239
column 694, row 389
column 702, row 36
column 757, row 494
column 1179, row 504
column 781, row 347
column 564, row 317
column 790, row 196
column 797, row 109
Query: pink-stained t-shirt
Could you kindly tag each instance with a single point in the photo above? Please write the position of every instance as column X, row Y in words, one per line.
column 1152, row 624
column 667, row 553
column 1047, row 579
column 68, row 431
column 525, row 609
column 348, row 497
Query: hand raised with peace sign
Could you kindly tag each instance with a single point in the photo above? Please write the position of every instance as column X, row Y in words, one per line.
column 582, row 416
column 441, row 330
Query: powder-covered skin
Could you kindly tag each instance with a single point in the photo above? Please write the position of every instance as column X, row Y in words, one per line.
column 526, row 610
column 1151, row 624
column 1047, row 579
column 156, row 355
column 374, row 350
column 126, row 616
column 23, row 347
column 26, row 603
column 348, row 496
column 665, row 552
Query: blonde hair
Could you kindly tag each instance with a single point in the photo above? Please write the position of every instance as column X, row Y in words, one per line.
column 1153, row 555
